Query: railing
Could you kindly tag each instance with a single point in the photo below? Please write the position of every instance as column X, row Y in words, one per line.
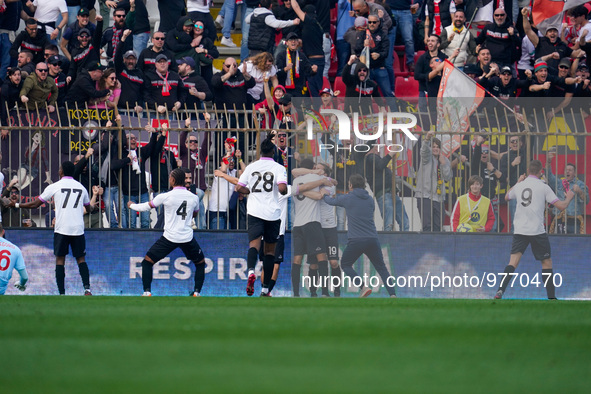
column 35, row 142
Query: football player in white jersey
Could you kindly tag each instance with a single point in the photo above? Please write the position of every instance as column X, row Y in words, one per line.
column 71, row 202
column 11, row 258
column 180, row 206
column 532, row 195
column 263, row 181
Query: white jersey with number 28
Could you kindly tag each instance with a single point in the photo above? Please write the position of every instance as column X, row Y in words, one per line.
column 262, row 178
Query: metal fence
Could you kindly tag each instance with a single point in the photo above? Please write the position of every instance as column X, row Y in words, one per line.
column 35, row 142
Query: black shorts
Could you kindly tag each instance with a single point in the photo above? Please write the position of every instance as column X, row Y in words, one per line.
column 268, row 229
column 308, row 239
column 331, row 238
column 163, row 247
column 540, row 245
column 62, row 243
column 279, row 250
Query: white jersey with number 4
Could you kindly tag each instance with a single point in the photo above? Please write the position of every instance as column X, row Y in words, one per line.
column 69, row 197
column 532, row 195
column 179, row 205
column 262, row 178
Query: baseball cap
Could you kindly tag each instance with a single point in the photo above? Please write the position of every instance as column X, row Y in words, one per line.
column 55, row 59
column 540, row 65
column 327, row 90
column 292, row 36
column 188, row 22
column 161, row 57
column 129, row 54
column 83, row 31
column 187, row 60
column 83, row 11
column 285, row 100
column 95, row 66
column 360, row 21
column 506, row 69
column 565, row 61
column 582, row 65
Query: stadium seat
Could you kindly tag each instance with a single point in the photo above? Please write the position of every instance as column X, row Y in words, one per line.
column 397, row 66
column 339, row 86
column 326, row 83
column 407, row 89
column 418, row 55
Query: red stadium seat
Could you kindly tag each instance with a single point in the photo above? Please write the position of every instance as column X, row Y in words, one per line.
column 339, row 86
column 398, row 71
column 325, row 83
column 407, row 89
column 418, row 55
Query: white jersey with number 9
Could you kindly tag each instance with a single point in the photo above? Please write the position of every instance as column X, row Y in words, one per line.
column 532, row 195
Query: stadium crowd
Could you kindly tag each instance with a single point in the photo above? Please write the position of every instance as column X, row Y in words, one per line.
column 70, row 54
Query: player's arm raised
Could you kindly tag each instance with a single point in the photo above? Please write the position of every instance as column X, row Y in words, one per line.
column 562, row 204
column 27, row 205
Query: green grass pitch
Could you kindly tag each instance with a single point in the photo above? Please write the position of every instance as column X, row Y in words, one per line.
column 272, row 345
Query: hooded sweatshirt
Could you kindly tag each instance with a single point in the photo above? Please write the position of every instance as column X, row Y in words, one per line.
column 359, row 206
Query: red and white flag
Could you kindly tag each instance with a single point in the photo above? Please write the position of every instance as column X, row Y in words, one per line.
column 458, row 98
column 546, row 9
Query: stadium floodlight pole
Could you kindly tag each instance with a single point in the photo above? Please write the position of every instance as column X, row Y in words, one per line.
column 463, row 38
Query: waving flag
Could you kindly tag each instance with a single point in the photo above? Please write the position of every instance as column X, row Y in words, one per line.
column 458, row 98
column 545, row 9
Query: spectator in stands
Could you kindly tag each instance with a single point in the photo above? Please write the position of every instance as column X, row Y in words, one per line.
column 379, row 45
column 503, row 86
column 473, row 212
column 513, row 164
column 582, row 90
column 31, row 39
column 87, row 52
column 526, row 61
column 10, row 95
column 162, row 162
column 312, row 45
column 344, row 22
column 438, row 16
column 70, row 37
column 230, row 86
column 198, row 91
column 221, row 189
column 52, row 50
column 453, row 35
column 225, row 20
column 285, row 12
column 11, row 216
column 434, row 171
column 147, row 59
column 9, row 25
column 269, row 107
column 108, row 81
column 164, row 88
column 204, row 51
column 403, row 20
column 360, row 89
column 131, row 79
column 364, row 9
column 180, row 40
column 198, row 10
column 88, row 177
column 482, row 165
column 501, row 39
column 38, row 91
column 47, row 13
column 550, row 44
column 193, row 157
column 138, row 21
column 84, row 88
column 423, row 68
column 260, row 67
column 355, row 36
column 55, row 73
column 559, row 89
column 25, row 63
column 570, row 222
column 261, row 35
column 379, row 178
column 112, row 36
column 134, row 187
column 170, row 12
column 293, row 67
